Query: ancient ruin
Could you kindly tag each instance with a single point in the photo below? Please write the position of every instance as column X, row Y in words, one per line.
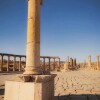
column 39, row 85
column 35, row 77
column 14, row 62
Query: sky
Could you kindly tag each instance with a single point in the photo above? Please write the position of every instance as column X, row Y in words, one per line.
column 68, row 28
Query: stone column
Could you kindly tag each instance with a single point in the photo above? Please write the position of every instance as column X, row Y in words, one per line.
column 54, row 63
column 25, row 61
column 49, row 65
column 8, row 61
column 98, row 63
column 65, row 66
column 34, row 87
column 59, row 63
column 71, row 62
column 74, row 62
column 43, row 64
column 1, row 63
column 33, row 38
column 19, row 63
column 89, row 61
column 14, row 65
column 68, row 61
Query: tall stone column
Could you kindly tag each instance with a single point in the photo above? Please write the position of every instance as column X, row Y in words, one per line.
column 43, row 64
column 68, row 61
column 89, row 61
column 1, row 63
column 65, row 66
column 19, row 63
column 33, row 38
column 74, row 62
column 71, row 62
column 14, row 65
column 40, row 87
column 98, row 63
column 54, row 63
column 8, row 61
column 59, row 63
column 49, row 65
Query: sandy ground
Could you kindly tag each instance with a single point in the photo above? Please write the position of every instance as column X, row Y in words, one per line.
column 70, row 85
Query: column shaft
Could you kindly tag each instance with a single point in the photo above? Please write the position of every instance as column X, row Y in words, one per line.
column 8, row 62
column 59, row 63
column 43, row 64
column 14, row 65
column 89, row 61
column 98, row 63
column 33, row 38
column 74, row 62
column 71, row 62
column 19, row 63
column 49, row 65
column 54, row 64
column 68, row 61
column 1, row 63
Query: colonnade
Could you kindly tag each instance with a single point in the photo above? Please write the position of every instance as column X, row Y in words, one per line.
column 97, row 66
column 16, row 63
column 49, row 62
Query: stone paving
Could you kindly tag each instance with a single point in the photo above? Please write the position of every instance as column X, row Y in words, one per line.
column 70, row 85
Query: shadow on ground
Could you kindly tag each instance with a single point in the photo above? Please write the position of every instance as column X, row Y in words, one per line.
column 70, row 97
column 1, row 91
column 78, row 97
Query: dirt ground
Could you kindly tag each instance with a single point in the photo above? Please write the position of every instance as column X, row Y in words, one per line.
column 69, row 85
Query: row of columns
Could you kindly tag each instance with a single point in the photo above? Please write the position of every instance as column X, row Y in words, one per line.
column 20, row 60
column 97, row 62
column 54, row 64
column 8, row 62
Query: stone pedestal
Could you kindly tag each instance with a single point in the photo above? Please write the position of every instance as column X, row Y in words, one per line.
column 42, row 88
column 89, row 62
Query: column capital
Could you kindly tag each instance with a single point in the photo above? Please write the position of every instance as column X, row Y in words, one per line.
column 41, row 2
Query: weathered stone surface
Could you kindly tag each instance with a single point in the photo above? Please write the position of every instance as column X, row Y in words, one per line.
column 89, row 61
column 41, row 89
column 33, row 38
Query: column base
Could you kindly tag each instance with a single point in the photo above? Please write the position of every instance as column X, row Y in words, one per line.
column 31, row 71
column 41, row 89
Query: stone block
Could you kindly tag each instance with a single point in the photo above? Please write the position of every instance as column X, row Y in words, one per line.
column 19, row 91
column 41, row 90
